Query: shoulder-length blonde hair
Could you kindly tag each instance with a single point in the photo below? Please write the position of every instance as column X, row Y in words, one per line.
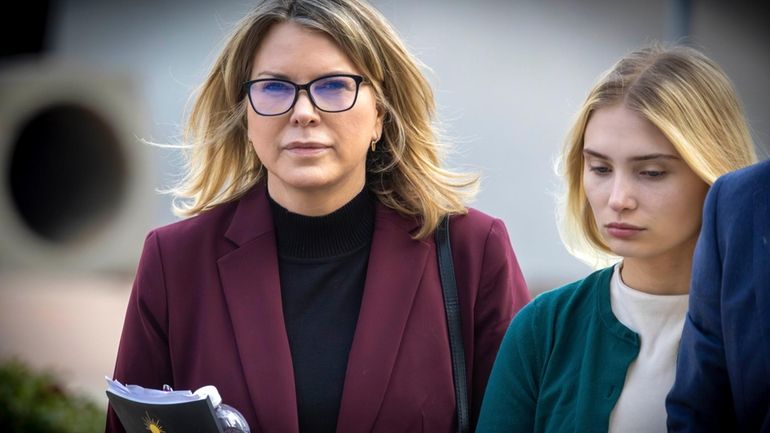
column 684, row 94
column 405, row 172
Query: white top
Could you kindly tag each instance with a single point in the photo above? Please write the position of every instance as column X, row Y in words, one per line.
column 658, row 319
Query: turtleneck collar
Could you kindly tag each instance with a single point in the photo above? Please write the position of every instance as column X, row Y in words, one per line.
column 309, row 237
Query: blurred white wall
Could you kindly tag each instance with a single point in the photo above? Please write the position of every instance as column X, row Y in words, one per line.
column 507, row 76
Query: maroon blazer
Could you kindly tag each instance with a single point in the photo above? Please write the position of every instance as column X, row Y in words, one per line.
column 206, row 310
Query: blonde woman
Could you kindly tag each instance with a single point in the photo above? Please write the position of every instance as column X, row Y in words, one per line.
column 599, row 354
column 305, row 284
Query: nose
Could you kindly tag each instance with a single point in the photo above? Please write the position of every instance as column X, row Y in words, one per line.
column 304, row 112
column 622, row 196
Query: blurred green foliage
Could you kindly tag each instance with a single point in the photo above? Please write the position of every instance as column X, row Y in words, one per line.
column 34, row 402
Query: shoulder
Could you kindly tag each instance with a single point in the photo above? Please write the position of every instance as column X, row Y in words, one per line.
column 576, row 296
column 476, row 228
column 736, row 199
column 741, row 185
column 758, row 172
column 482, row 241
column 201, row 224
column 473, row 218
column 559, row 311
column 197, row 232
column 564, row 312
column 243, row 217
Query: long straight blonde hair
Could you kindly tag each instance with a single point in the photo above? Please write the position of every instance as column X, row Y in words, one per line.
column 684, row 94
column 404, row 172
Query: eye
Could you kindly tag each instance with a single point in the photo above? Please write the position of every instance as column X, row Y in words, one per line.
column 652, row 173
column 334, row 84
column 278, row 87
column 600, row 169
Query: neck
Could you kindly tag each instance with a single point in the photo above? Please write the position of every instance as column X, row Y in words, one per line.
column 659, row 275
column 316, row 201
column 311, row 237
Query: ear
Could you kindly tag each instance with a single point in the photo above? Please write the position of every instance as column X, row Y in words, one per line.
column 377, row 128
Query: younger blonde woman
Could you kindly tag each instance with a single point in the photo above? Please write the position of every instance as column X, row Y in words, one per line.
column 599, row 354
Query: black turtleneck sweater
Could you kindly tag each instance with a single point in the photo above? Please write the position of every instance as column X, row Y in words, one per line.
column 322, row 265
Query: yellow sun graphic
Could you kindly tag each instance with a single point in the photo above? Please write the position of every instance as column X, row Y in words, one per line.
column 152, row 425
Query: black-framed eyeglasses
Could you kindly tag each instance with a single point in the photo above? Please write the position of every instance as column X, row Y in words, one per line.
column 330, row 93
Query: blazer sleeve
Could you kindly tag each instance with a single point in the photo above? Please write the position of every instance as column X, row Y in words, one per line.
column 143, row 355
column 511, row 396
column 700, row 400
column 502, row 293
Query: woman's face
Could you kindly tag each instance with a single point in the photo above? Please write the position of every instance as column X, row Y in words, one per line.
column 309, row 153
column 646, row 200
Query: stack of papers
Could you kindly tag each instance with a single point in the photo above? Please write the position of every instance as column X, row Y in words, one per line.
column 143, row 409
column 149, row 395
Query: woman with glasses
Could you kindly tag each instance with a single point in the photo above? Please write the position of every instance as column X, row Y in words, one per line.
column 599, row 354
column 305, row 285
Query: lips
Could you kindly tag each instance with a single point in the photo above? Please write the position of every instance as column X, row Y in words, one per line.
column 304, row 145
column 305, row 148
column 622, row 230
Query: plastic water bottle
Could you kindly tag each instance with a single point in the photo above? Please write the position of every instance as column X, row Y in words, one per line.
column 228, row 417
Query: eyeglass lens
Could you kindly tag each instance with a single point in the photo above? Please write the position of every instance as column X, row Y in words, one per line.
column 333, row 93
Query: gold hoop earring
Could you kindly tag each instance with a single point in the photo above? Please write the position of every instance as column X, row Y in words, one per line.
column 373, row 144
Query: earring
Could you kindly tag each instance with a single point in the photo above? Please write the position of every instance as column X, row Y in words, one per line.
column 373, row 144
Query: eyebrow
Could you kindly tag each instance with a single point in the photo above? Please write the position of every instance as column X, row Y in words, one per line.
column 271, row 74
column 280, row 76
column 647, row 157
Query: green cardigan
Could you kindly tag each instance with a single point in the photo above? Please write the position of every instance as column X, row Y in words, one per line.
column 562, row 363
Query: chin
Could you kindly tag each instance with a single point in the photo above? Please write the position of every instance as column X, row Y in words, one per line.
column 638, row 252
column 306, row 179
column 626, row 249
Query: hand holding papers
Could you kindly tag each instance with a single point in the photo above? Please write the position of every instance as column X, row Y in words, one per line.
column 164, row 411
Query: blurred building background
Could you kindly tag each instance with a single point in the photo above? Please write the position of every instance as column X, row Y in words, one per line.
column 89, row 81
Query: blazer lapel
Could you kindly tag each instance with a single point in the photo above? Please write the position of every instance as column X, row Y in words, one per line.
column 396, row 265
column 250, row 280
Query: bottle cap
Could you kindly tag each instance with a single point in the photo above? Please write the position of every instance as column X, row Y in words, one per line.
column 211, row 392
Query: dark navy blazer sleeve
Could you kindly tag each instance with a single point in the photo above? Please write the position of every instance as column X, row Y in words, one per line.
column 723, row 370
column 700, row 399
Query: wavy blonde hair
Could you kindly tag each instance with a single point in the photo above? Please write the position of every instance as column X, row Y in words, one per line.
column 684, row 94
column 404, row 172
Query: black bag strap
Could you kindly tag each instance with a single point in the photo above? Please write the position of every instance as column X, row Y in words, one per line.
column 452, row 307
